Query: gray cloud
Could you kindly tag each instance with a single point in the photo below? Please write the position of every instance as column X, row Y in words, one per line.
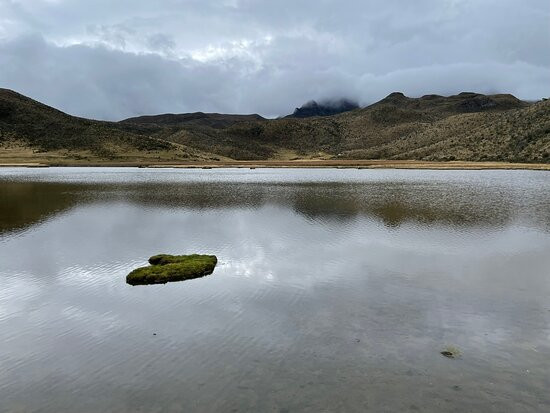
column 111, row 60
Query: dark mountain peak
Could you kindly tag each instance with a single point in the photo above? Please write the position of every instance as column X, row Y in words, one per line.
column 468, row 94
column 324, row 108
column 476, row 102
column 396, row 95
column 395, row 98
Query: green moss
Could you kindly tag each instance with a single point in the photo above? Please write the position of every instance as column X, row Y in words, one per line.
column 163, row 259
column 165, row 268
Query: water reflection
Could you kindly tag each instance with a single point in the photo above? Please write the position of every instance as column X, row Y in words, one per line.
column 28, row 203
column 332, row 292
column 394, row 203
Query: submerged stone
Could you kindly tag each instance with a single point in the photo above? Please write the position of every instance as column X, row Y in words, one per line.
column 165, row 268
column 450, row 352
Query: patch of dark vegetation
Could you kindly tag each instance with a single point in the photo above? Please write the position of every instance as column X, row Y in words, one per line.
column 166, row 268
column 476, row 104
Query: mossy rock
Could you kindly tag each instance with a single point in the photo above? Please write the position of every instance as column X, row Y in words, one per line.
column 165, row 268
column 163, row 259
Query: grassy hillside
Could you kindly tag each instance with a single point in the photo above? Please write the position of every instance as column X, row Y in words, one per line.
column 463, row 127
column 467, row 126
column 50, row 129
column 518, row 135
column 25, row 122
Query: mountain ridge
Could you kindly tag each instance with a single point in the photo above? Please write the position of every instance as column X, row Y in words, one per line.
column 467, row 126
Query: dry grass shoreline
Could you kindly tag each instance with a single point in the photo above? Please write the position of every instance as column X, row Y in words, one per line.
column 337, row 164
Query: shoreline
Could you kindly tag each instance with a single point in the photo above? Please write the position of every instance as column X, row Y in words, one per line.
column 336, row 164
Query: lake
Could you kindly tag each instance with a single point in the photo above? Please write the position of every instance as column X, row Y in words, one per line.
column 335, row 290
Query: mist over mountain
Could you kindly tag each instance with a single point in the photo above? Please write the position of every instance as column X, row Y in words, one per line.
column 324, row 108
column 131, row 58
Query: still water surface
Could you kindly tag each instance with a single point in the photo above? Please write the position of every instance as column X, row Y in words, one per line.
column 335, row 290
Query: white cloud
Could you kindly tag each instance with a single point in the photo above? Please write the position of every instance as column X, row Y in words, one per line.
column 110, row 60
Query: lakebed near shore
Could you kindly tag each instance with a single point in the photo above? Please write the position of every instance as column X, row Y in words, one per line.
column 335, row 289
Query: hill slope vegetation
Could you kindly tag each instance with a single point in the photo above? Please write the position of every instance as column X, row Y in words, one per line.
column 467, row 126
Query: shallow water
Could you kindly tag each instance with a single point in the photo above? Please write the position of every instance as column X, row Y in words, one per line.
column 335, row 290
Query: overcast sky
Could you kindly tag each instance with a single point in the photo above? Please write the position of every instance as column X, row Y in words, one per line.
column 111, row 59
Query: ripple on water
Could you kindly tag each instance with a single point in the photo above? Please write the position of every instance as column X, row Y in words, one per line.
column 331, row 288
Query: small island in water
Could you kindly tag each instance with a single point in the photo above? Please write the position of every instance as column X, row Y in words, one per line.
column 165, row 268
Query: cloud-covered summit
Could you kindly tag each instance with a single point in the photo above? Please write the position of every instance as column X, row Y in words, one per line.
column 112, row 60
